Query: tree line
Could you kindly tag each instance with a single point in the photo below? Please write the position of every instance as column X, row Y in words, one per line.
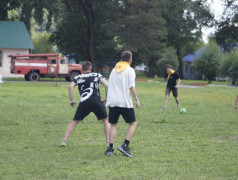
column 98, row 30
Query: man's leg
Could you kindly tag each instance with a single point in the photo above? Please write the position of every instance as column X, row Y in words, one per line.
column 175, row 94
column 68, row 132
column 166, row 101
column 106, row 129
column 167, row 92
column 112, row 135
column 125, row 147
column 131, row 130
column 177, row 101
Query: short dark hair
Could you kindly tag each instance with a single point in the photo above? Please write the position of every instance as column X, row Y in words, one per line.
column 168, row 66
column 126, row 55
column 86, row 65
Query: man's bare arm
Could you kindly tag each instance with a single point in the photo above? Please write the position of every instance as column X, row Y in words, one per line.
column 133, row 91
column 104, row 82
column 71, row 90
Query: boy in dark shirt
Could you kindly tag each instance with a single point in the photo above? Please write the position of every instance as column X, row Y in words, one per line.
column 173, row 80
column 90, row 100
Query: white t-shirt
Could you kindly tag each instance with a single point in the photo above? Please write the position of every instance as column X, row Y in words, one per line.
column 119, row 85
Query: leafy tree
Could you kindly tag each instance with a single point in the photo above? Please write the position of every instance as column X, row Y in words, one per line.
column 143, row 30
column 6, row 6
column 208, row 63
column 229, row 65
column 184, row 20
column 42, row 44
column 168, row 57
column 35, row 9
column 85, row 28
column 227, row 31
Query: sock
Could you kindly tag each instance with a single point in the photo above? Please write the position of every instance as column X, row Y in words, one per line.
column 111, row 145
column 126, row 142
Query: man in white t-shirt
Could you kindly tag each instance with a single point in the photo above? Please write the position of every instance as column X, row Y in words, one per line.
column 121, row 82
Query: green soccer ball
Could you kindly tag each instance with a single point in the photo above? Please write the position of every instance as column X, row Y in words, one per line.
column 183, row 111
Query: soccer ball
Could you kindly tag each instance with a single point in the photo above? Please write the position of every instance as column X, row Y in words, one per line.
column 183, row 111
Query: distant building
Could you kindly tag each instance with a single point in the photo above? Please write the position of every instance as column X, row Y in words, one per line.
column 14, row 39
column 188, row 72
column 141, row 67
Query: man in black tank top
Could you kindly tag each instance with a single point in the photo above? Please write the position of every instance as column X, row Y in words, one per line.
column 90, row 100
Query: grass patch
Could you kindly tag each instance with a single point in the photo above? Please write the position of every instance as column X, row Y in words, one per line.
column 201, row 144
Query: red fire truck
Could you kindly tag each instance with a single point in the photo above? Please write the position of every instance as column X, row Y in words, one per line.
column 34, row 66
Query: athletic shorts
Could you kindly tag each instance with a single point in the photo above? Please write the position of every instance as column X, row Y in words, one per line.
column 86, row 107
column 174, row 91
column 127, row 113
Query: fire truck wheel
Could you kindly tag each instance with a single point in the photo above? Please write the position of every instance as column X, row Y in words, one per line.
column 26, row 77
column 73, row 74
column 34, row 76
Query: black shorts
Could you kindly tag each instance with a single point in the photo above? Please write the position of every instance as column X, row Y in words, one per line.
column 174, row 91
column 86, row 107
column 127, row 113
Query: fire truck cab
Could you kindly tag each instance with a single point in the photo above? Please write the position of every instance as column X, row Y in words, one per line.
column 34, row 66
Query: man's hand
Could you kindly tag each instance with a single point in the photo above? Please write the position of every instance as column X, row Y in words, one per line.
column 235, row 107
column 104, row 100
column 138, row 103
column 73, row 103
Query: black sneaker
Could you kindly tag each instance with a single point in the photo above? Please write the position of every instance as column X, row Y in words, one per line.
column 109, row 151
column 124, row 149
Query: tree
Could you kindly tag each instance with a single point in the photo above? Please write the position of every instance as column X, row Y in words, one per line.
column 208, row 62
column 42, row 44
column 35, row 9
column 142, row 30
column 168, row 57
column 85, row 28
column 227, row 31
column 6, row 6
column 229, row 65
column 184, row 20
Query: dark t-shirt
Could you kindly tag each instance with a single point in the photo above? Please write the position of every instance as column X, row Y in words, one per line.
column 172, row 80
column 88, row 85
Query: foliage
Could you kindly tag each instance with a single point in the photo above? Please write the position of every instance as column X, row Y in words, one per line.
column 229, row 65
column 227, row 31
column 208, row 63
column 167, row 57
column 42, row 44
column 143, row 31
column 199, row 145
column 72, row 31
column 184, row 20
column 6, row 6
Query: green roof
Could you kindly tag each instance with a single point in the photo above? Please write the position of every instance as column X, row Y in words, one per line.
column 14, row 35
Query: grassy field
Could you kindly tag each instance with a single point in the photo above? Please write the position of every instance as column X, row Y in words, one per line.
column 202, row 144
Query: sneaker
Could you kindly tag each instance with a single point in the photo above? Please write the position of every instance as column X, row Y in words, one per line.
column 109, row 151
column 124, row 149
column 63, row 143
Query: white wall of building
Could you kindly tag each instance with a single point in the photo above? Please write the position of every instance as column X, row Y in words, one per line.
column 5, row 69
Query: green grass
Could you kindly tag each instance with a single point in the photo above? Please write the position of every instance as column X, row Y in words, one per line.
column 202, row 144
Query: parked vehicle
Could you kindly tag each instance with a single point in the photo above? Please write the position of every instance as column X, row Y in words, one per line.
column 34, row 66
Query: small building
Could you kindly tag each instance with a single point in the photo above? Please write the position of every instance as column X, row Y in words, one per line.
column 14, row 39
column 188, row 72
